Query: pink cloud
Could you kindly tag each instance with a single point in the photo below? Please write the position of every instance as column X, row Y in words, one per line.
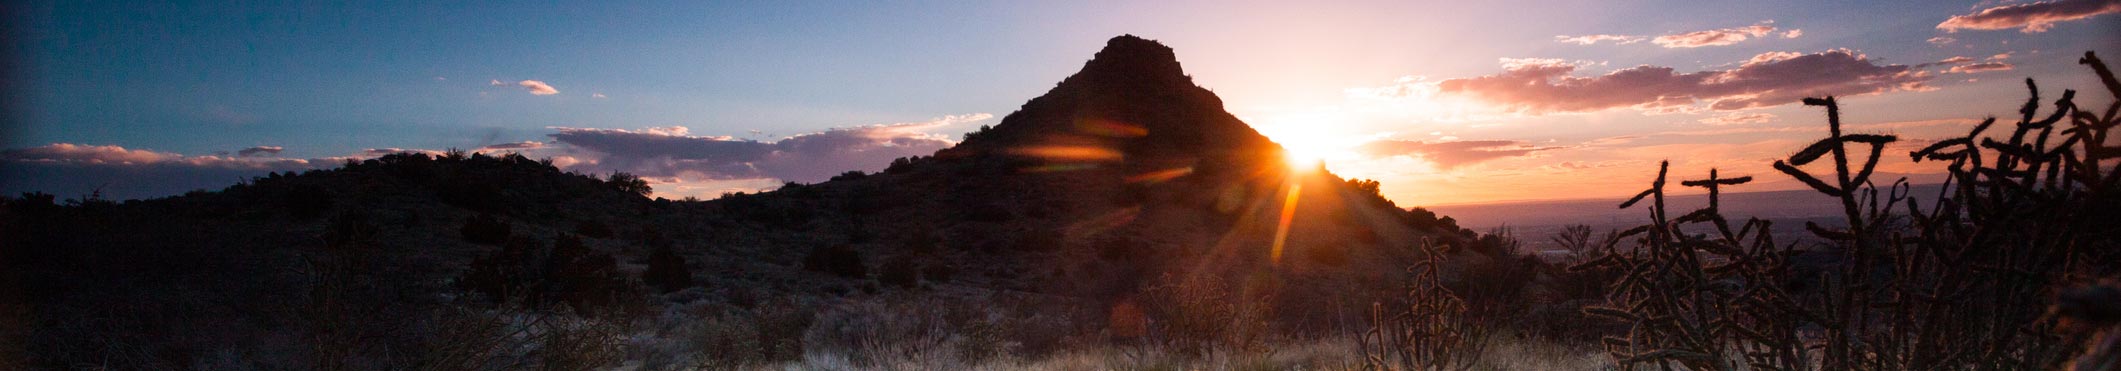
column 537, row 87
column 529, row 144
column 1768, row 79
column 2030, row 18
column 1594, row 39
column 1738, row 119
column 260, row 150
column 1981, row 67
column 1452, row 154
column 672, row 152
column 1941, row 40
column 1717, row 37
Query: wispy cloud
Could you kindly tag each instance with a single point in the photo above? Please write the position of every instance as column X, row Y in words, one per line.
column 1452, row 154
column 1738, row 119
column 260, row 150
column 1980, row 67
column 1942, row 40
column 1594, row 39
column 2031, row 17
column 537, row 87
column 1768, row 79
column 117, row 172
column 528, row 144
column 672, row 152
column 1717, row 37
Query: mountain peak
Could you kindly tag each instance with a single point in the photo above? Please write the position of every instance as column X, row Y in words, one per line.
column 1134, row 57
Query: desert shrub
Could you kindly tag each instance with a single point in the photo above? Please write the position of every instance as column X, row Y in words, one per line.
column 593, row 229
column 1196, row 315
column 666, row 270
column 1960, row 284
column 1496, row 287
column 900, row 271
column 938, row 273
column 307, row 201
column 850, row 175
column 485, row 230
column 838, row 260
column 568, row 273
column 1429, row 329
column 628, row 183
column 900, row 165
column 472, row 193
column 1577, row 239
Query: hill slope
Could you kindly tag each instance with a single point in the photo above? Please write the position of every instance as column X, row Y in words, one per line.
column 1125, row 186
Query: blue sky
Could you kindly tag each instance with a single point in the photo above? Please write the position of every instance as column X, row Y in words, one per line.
column 325, row 81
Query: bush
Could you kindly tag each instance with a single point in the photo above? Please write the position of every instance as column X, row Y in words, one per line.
column 837, row 260
column 901, row 272
column 593, row 229
column 629, row 183
column 667, row 270
column 485, row 230
column 568, row 273
column 307, row 201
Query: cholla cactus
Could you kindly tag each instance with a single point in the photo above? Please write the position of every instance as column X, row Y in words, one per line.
column 1961, row 285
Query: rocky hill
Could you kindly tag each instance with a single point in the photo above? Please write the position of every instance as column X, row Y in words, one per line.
column 1103, row 203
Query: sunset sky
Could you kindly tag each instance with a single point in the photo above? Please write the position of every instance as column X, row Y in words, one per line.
column 1444, row 102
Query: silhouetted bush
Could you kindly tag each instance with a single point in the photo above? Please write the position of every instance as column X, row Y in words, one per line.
column 850, row 175
column 476, row 193
column 307, row 201
column 899, row 271
column 629, row 183
column 837, row 260
column 938, row 273
column 593, row 229
column 485, row 230
column 667, row 270
column 568, row 273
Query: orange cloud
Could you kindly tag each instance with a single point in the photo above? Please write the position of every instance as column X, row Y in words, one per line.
column 1768, row 79
column 1981, row 67
column 1594, row 39
column 2030, row 18
column 1717, row 37
column 537, row 87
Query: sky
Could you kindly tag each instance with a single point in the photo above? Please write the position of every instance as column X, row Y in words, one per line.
column 1443, row 102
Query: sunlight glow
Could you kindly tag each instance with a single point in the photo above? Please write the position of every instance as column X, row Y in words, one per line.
column 1288, row 214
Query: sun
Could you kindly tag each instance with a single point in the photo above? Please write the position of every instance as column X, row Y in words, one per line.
column 1302, row 158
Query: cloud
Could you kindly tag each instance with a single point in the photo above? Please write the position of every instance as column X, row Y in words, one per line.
column 85, row 154
column 537, row 87
column 264, row 150
column 1792, row 33
column 116, row 172
column 597, row 95
column 1451, row 154
column 1980, row 67
column 1941, row 40
column 1594, row 39
column 1768, row 79
column 2030, row 18
column 1946, row 62
column 1738, row 119
column 1717, row 37
column 671, row 152
column 528, row 144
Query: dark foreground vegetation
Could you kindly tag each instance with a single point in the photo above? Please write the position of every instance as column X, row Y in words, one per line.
column 983, row 258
